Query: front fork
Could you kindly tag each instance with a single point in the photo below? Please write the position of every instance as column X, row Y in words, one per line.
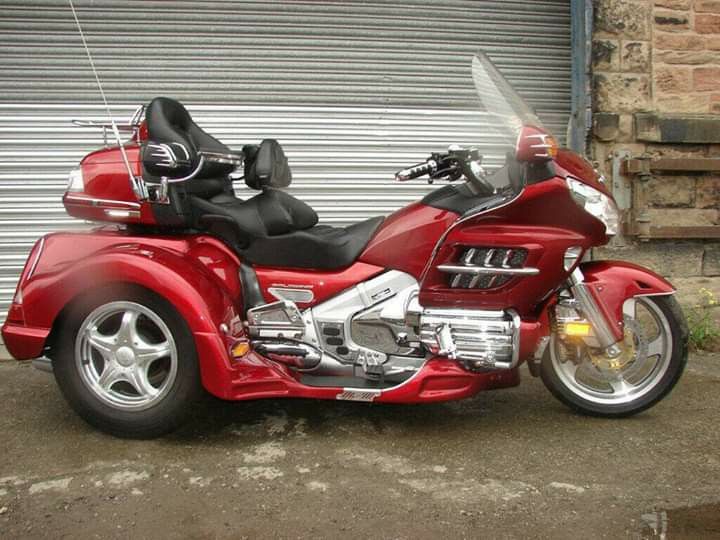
column 589, row 307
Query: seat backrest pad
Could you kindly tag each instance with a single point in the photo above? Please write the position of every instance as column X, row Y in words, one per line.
column 266, row 165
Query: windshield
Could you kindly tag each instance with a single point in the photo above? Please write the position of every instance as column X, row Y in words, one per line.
column 507, row 110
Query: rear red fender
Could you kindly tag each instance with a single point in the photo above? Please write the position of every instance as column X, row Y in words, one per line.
column 613, row 282
column 186, row 283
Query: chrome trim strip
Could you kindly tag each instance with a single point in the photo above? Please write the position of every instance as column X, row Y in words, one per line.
column 292, row 294
column 476, row 270
column 36, row 259
column 93, row 201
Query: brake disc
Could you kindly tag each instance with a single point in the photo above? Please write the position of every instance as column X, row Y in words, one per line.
column 633, row 347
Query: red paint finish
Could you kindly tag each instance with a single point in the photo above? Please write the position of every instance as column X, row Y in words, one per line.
column 195, row 273
column 255, row 377
column 613, row 282
column 323, row 284
column 24, row 342
column 575, row 165
column 544, row 220
column 407, row 238
column 107, row 188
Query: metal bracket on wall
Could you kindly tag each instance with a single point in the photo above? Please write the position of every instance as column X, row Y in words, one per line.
column 642, row 169
column 621, row 186
column 622, row 191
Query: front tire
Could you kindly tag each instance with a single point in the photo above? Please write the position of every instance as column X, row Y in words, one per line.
column 126, row 363
column 657, row 332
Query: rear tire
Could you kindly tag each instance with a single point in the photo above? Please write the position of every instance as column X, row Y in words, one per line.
column 671, row 362
column 126, row 362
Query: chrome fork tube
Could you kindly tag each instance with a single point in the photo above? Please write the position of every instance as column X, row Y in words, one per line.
column 592, row 312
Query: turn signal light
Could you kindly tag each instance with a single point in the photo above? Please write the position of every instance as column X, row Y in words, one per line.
column 535, row 145
column 577, row 329
column 240, row 349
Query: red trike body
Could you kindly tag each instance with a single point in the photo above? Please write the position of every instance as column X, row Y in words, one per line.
column 199, row 275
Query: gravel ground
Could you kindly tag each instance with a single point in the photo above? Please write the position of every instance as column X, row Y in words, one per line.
column 506, row 464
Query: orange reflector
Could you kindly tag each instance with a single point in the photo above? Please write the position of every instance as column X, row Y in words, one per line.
column 240, row 348
column 579, row 329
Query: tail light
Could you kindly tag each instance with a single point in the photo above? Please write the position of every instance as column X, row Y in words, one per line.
column 535, row 145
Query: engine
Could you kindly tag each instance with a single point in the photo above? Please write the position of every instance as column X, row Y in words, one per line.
column 378, row 330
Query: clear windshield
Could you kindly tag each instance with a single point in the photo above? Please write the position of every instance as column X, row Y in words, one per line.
column 507, row 110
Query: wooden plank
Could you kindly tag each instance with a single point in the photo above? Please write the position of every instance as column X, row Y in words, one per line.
column 711, row 231
column 644, row 166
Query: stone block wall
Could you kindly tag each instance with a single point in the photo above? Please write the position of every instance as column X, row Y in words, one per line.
column 662, row 57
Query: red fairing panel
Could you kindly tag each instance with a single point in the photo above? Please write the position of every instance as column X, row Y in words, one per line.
column 197, row 274
column 322, row 284
column 613, row 282
column 406, row 239
column 544, row 220
column 577, row 166
column 440, row 379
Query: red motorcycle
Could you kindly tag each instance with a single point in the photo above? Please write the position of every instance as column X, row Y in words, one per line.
column 189, row 287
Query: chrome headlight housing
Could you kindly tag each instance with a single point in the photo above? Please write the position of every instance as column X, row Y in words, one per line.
column 597, row 204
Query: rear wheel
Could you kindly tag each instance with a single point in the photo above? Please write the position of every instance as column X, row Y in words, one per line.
column 126, row 362
column 653, row 357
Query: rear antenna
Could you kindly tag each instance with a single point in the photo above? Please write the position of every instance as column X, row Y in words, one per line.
column 136, row 185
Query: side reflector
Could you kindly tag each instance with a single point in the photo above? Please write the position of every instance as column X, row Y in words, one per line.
column 240, row 349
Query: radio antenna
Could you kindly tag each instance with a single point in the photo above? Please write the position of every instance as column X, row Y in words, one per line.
column 116, row 132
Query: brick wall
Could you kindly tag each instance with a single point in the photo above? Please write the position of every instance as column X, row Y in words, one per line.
column 662, row 57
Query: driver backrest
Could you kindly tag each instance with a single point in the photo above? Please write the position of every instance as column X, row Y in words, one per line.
column 169, row 122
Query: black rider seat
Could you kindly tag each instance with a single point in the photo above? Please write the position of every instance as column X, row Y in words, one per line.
column 272, row 228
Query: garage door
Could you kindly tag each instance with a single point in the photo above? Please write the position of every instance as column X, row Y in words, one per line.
column 353, row 90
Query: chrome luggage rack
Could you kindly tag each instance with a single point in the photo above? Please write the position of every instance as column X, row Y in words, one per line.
column 132, row 126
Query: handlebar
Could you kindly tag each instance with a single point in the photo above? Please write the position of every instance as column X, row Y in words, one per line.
column 226, row 159
column 415, row 171
column 456, row 163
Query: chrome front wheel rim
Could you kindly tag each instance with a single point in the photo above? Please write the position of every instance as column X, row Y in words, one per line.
column 650, row 329
column 126, row 355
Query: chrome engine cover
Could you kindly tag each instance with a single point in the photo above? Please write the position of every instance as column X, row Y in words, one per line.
column 348, row 324
column 377, row 329
column 478, row 339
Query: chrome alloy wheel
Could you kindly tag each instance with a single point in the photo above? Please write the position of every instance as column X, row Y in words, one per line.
column 644, row 360
column 126, row 355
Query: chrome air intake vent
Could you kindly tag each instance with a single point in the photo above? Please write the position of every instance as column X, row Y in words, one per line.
column 487, row 267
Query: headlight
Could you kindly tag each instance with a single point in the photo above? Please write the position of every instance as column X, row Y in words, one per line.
column 597, row 204
column 75, row 180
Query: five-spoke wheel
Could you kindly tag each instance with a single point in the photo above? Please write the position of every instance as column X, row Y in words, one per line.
column 126, row 355
column 126, row 362
column 652, row 358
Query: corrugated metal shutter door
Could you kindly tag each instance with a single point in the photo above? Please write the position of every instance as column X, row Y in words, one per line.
column 353, row 90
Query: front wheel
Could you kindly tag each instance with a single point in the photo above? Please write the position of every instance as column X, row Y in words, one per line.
column 654, row 354
column 126, row 362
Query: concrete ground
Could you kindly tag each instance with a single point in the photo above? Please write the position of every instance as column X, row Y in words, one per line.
column 506, row 464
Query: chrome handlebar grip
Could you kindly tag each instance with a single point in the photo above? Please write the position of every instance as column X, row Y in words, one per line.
column 228, row 159
column 416, row 170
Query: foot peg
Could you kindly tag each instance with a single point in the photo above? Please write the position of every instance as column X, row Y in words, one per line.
column 297, row 355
